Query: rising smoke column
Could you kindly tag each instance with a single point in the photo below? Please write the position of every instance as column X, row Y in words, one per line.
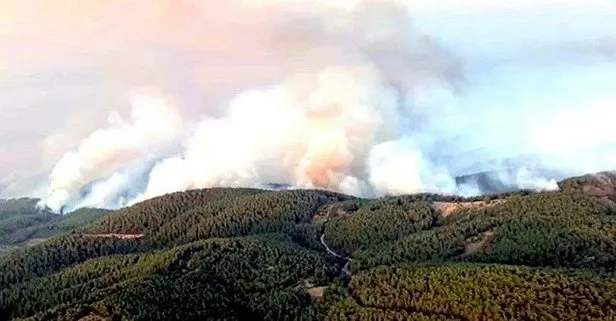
column 336, row 102
column 153, row 125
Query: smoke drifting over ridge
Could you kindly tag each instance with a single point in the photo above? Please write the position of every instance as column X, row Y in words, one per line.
column 106, row 151
column 346, row 95
column 340, row 110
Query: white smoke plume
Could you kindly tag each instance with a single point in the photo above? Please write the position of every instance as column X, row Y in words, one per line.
column 341, row 95
column 153, row 125
column 350, row 70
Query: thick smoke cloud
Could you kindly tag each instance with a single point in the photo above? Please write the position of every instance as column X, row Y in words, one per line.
column 348, row 95
column 153, row 126
column 344, row 99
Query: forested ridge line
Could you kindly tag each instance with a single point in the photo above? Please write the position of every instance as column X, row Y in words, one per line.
column 247, row 254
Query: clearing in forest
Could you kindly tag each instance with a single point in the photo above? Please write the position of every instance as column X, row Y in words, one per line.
column 94, row 317
column 116, row 236
column 448, row 208
column 316, row 292
column 477, row 243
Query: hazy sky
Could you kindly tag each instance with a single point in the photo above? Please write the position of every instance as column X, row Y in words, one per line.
column 538, row 77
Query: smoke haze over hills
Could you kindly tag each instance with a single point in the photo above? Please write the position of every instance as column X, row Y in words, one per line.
column 116, row 101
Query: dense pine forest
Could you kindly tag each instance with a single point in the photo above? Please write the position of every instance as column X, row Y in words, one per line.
column 249, row 254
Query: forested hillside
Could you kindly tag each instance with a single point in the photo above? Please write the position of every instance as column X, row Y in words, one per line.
column 248, row 254
column 23, row 223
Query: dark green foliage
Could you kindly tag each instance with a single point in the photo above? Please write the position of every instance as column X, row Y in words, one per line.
column 80, row 218
column 185, row 217
column 349, row 309
column 476, row 292
column 548, row 229
column 22, row 222
column 239, row 216
column 377, row 222
column 19, row 219
column 238, row 280
column 552, row 241
column 247, row 254
column 155, row 212
column 19, row 229
column 49, row 257
column 552, row 229
column 438, row 244
column 261, row 278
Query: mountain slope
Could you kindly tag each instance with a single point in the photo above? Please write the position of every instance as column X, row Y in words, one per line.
column 23, row 223
column 246, row 254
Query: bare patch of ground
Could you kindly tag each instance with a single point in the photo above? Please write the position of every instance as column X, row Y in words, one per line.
column 319, row 218
column 599, row 191
column 475, row 244
column 117, row 236
column 327, row 212
column 605, row 193
column 316, row 292
column 448, row 208
column 94, row 317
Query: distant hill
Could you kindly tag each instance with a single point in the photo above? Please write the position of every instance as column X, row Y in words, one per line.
column 250, row 254
column 23, row 223
column 17, row 206
column 503, row 180
column 601, row 185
